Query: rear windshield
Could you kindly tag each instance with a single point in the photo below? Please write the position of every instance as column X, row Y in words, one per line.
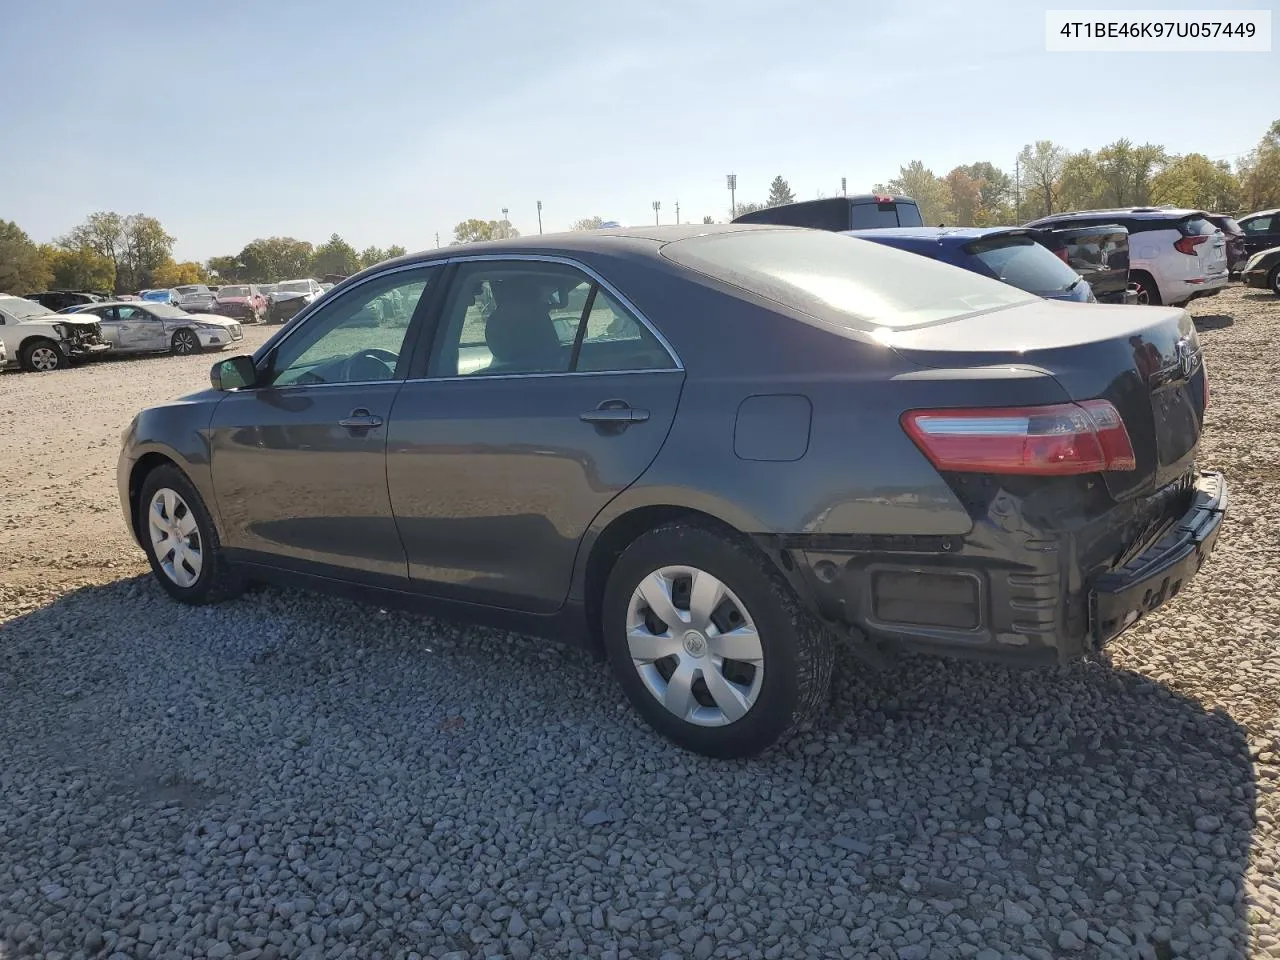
column 1024, row 263
column 867, row 285
column 233, row 291
column 870, row 216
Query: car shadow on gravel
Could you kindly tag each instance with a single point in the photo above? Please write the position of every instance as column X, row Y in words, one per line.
column 1213, row 321
column 1074, row 811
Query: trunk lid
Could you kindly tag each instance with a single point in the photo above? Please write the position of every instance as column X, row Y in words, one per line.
column 1145, row 360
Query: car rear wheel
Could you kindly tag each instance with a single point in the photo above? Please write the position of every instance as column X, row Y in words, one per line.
column 181, row 541
column 185, row 343
column 42, row 356
column 710, row 643
column 1148, row 292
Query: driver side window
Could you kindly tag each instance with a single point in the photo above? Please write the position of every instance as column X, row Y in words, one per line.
column 358, row 337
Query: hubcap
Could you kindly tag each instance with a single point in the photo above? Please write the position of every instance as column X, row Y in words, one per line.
column 184, row 343
column 695, row 646
column 175, row 538
column 44, row 359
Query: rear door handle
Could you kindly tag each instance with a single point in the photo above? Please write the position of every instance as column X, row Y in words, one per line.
column 361, row 417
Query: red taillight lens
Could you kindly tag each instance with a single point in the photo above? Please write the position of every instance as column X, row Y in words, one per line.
column 1188, row 245
column 1058, row 440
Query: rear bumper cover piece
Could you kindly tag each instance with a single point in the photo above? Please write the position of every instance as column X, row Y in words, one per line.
column 1016, row 595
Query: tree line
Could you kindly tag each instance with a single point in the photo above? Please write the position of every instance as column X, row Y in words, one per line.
column 114, row 253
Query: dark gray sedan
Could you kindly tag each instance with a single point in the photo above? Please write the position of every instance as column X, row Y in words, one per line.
column 707, row 452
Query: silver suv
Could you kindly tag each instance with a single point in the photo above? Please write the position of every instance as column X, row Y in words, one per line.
column 1175, row 255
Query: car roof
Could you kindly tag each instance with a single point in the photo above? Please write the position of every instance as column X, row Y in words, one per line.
column 1260, row 213
column 944, row 235
column 1132, row 213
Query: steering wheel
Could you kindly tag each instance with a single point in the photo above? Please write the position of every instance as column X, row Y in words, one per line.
column 371, row 364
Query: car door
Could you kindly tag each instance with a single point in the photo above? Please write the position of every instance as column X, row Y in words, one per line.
column 544, row 396
column 141, row 329
column 299, row 460
column 1261, row 233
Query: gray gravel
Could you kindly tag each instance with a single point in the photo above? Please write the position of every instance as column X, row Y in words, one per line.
column 293, row 776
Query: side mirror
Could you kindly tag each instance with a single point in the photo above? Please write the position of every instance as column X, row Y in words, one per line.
column 233, row 373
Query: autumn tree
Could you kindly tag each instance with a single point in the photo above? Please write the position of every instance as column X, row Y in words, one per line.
column 588, row 223
column 335, row 255
column 80, row 269
column 966, row 197
column 779, row 193
column 995, row 193
column 1195, row 181
column 1041, row 165
column 170, row 274
column 23, row 269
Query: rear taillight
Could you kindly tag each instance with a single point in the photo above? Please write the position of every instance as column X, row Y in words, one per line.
column 1188, row 245
column 1058, row 440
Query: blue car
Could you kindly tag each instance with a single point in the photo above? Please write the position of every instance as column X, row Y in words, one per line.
column 162, row 295
column 1009, row 254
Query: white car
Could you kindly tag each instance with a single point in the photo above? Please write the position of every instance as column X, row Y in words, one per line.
column 1175, row 255
column 39, row 340
column 133, row 326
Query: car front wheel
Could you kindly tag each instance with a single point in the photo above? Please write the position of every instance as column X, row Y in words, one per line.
column 1274, row 281
column 42, row 356
column 181, row 541
column 185, row 343
column 710, row 643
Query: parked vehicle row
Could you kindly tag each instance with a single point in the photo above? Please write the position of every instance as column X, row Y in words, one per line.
column 39, row 340
column 707, row 452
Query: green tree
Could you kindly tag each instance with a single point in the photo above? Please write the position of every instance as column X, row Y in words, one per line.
column 395, row 250
column 779, row 193
column 1082, row 184
column 1127, row 171
column 228, row 269
column 474, row 230
column 23, row 268
column 80, row 269
column 103, row 233
column 748, row 207
column 273, row 259
column 587, row 223
column 1195, row 181
column 371, row 255
column 1041, row 165
column 1259, row 172
column 708, row 220
column 926, row 188
column 146, row 247
column 995, row 190
column 335, row 255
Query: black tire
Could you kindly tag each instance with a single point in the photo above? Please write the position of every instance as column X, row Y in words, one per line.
column 185, row 343
column 1273, row 281
column 217, row 581
column 1148, row 292
column 41, row 355
column 798, row 653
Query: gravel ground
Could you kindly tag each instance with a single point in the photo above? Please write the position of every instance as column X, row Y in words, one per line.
column 294, row 776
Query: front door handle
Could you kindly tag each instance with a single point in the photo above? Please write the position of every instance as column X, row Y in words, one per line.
column 360, row 417
column 615, row 413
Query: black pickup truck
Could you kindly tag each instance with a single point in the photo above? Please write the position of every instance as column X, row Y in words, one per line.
column 1099, row 253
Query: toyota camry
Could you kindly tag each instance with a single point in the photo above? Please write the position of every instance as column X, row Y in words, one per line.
column 706, row 452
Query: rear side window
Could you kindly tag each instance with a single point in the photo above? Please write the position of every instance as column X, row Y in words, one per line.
column 816, row 215
column 1024, row 263
column 1257, row 225
column 856, row 283
column 1196, row 227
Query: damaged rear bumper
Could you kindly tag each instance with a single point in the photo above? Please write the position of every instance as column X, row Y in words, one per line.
column 1015, row 596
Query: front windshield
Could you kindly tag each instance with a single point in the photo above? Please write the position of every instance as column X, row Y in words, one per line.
column 294, row 286
column 233, row 292
column 842, row 280
column 17, row 307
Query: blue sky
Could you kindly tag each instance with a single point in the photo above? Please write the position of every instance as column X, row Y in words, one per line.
column 389, row 120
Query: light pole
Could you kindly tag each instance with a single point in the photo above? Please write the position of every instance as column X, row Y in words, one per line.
column 843, row 191
column 657, row 205
column 677, row 213
column 505, row 221
column 732, row 180
column 437, row 239
column 539, row 217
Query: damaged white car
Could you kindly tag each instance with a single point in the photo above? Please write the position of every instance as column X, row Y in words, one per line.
column 134, row 326
column 39, row 340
